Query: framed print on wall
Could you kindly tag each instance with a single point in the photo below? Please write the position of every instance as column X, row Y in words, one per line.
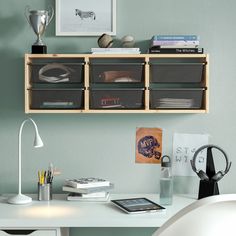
column 85, row 17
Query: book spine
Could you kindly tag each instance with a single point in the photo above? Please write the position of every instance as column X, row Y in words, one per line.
column 176, row 50
column 174, row 42
column 178, row 46
column 91, row 195
column 117, row 52
column 175, row 37
column 114, row 49
column 71, row 183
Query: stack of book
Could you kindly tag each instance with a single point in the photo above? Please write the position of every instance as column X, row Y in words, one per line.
column 175, row 103
column 115, row 50
column 88, row 189
column 175, row 44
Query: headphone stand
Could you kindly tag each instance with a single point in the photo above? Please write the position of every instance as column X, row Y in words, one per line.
column 208, row 187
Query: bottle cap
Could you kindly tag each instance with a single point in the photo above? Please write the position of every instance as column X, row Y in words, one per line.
column 166, row 162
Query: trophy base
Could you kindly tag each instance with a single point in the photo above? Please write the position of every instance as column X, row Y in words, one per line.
column 39, row 49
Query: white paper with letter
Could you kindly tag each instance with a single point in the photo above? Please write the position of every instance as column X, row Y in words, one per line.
column 184, row 147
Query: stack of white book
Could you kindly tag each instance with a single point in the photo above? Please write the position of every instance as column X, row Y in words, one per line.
column 88, row 189
column 115, row 51
column 175, row 103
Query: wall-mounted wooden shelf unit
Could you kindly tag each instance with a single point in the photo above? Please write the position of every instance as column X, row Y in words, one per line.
column 117, row 83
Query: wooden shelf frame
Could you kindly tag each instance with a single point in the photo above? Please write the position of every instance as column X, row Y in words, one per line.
column 146, row 58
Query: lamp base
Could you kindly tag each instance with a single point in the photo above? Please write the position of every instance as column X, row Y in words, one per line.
column 20, row 199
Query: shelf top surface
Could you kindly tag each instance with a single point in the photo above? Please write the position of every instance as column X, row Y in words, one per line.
column 62, row 213
column 115, row 55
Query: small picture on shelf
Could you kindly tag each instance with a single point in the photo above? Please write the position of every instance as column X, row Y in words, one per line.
column 148, row 145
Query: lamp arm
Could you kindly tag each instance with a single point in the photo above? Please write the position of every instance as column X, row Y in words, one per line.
column 19, row 150
column 19, row 156
column 35, row 126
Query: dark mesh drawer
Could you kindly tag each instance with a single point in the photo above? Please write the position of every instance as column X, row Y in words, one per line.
column 176, row 98
column 57, row 98
column 176, row 72
column 117, row 98
column 57, row 72
column 117, row 72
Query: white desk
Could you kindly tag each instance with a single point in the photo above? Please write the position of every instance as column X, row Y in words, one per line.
column 60, row 213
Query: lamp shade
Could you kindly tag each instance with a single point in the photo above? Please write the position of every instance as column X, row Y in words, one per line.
column 38, row 141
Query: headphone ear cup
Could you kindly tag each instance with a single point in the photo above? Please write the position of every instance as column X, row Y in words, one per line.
column 202, row 175
column 219, row 175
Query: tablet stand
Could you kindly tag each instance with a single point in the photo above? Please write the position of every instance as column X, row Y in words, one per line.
column 208, row 187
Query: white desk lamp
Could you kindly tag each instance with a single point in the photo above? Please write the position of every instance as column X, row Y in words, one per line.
column 20, row 198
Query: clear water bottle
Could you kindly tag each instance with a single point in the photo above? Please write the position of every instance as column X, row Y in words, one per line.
column 166, row 181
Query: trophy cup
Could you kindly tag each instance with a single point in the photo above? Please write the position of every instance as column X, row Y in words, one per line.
column 39, row 20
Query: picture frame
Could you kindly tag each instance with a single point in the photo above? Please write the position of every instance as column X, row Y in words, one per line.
column 85, row 17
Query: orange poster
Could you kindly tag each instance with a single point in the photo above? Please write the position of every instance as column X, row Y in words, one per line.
column 148, row 145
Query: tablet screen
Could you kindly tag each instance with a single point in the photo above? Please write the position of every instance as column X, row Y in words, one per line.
column 137, row 205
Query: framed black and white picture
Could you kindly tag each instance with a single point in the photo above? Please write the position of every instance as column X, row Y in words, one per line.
column 85, row 17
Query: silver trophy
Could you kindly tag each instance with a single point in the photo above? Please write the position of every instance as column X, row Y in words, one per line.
column 39, row 20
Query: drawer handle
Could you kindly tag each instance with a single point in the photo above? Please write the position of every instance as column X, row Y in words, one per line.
column 18, row 231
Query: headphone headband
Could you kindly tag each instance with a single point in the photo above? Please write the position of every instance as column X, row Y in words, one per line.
column 201, row 173
column 64, row 77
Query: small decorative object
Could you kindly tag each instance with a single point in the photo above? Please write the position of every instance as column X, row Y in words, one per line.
column 20, row 198
column 127, row 41
column 85, row 17
column 105, row 41
column 39, row 20
column 148, row 145
column 209, row 178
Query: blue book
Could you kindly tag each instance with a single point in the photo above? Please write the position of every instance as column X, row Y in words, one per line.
column 175, row 37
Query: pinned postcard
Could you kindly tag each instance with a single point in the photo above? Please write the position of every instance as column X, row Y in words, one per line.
column 148, row 145
column 184, row 147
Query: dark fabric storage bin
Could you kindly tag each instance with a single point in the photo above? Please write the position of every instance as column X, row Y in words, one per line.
column 57, row 72
column 117, row 98
column 117, row 72
column 57, row 98
column 176, row 98
column 176, row 72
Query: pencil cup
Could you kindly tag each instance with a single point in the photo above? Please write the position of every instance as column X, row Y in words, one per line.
column 44, row 192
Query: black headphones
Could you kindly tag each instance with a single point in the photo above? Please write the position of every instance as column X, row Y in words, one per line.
column 202, row 175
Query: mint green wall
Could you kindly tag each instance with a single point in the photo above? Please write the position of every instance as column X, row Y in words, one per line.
column 103, row 144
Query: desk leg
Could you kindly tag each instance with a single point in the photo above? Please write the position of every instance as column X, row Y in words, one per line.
column 64, row 231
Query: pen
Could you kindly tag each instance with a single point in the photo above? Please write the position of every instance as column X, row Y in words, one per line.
column 51, row 179
column 51, row 172
column 39, row 177
column 45, row 177
column 42, row 177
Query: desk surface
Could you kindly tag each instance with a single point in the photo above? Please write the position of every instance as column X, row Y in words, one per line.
column 62, row 213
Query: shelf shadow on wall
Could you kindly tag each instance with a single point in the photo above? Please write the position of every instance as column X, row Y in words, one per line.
column 11, row 89
column 11, row 63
